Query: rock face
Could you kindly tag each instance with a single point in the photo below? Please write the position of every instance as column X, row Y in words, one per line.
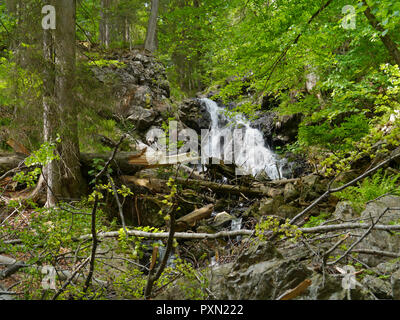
column 260, row 273
column 279, row 130
column 344, row 211
column 193, row 113
column 378, row 240
column 140, row 87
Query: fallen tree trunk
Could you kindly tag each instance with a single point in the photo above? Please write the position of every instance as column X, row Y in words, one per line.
column 9, row 162
column 244, row 232
column 226, row 234
column 155, row 184
column 121, row 162
column 12, row 264
column 224, row 188
column 177, row 235
column 127, row 163
column 191, row 219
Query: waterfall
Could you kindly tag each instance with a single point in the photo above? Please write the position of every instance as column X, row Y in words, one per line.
column 250, row 153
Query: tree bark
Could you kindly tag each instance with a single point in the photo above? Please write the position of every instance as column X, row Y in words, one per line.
column 49, row 111
column 68, row 180
column 151, row 36
column 390, row 45
column 104, row 24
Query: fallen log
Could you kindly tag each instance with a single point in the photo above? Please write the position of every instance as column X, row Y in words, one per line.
column 191, row 219
column 12, row 264
column 160, row 159
column 225, row 234
column 150, row 183
column 177, row 235
column 224, row 188
column 10, row 161
column 127, row 163
column 243, row 232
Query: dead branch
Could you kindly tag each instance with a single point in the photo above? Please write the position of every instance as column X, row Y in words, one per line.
column 331, row 191
column 361, row 238
column 65, row 285
column 93, row 222
column 378, row 253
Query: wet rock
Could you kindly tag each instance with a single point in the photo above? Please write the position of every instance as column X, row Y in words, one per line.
column 266, row 207
column 275, row 192
column 310, row 180
column 286, row 129
column 140, row 87
column 278, row 130
column 266, row 124
column 264, row 251
column 290, row 193
column 222, row 219
column 194, row 114
column 142, row 118
column 387, row 268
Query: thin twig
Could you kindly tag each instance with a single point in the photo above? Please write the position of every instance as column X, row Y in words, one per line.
column 330, row 191
column 360, row 239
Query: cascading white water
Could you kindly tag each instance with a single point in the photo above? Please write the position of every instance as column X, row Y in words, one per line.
column 251, row 153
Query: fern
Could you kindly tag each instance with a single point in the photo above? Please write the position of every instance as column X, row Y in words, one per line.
column 371, row 188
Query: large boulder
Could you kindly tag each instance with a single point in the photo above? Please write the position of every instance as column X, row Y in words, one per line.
column 380, row 240
column 279, row 130
column 260, row 273
column 194, row 114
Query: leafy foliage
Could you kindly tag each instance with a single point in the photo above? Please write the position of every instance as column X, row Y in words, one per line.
column 370, row 189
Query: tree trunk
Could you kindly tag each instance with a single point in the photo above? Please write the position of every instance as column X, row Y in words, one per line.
column 49, row 113
column 69, row 182
column 151, row 36
column 127, row 33
column 390, row 45
column 121, row 163
column 105, row 23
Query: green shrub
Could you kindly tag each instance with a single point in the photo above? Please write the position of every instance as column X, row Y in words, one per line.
column 370, row 188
